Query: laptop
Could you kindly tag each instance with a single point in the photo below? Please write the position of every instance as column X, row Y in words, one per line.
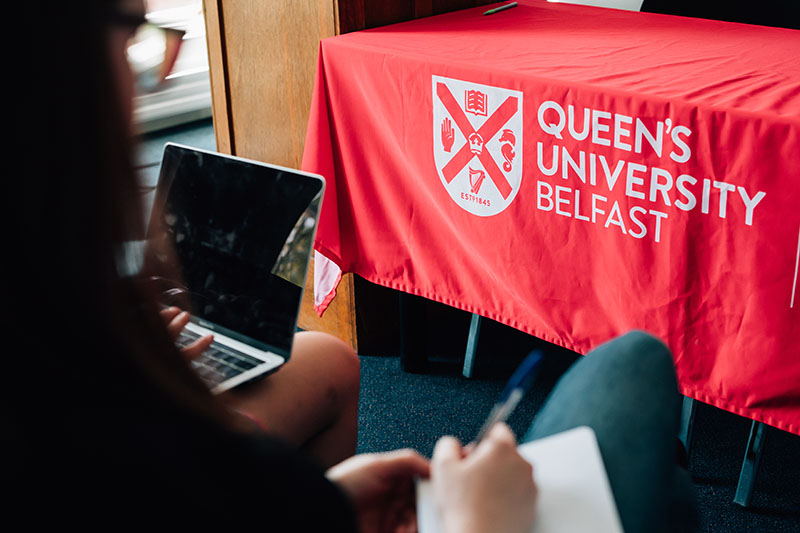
column 229, row 240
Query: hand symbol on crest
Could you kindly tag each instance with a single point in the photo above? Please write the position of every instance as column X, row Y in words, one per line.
column 448, row 135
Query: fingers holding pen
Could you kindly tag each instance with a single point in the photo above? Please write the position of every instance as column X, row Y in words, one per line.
column 501, row 435
column 449, row 448
column 489, row 488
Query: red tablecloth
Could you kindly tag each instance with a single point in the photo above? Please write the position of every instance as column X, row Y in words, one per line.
column 575, row 172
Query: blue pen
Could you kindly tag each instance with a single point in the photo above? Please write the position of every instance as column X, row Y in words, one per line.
column 515, row 389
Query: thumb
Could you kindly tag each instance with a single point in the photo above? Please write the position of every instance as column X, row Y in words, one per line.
column 499, row 435
column 447, row 450
column 500, row 432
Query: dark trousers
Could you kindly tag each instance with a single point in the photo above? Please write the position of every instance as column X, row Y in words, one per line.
column 626, row 390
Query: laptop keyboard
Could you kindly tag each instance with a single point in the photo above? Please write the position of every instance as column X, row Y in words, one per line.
column 218, row 362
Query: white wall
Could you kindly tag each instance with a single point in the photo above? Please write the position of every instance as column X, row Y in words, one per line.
column 629, row 5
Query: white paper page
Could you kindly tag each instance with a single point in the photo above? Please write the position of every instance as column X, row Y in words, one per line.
column 574, row 493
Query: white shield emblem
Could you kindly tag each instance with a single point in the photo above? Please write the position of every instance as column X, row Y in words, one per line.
column 477, row 143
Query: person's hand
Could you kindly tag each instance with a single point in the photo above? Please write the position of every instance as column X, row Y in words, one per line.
column 381, row 487
column 176, row 320
column 488, row 488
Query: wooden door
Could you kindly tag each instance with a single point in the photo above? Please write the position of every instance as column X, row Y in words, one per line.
column 262, row 60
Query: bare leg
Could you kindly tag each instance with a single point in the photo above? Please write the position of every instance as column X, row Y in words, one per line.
column 312, row 401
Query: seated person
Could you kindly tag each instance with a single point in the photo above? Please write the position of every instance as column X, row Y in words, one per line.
column 106, row 420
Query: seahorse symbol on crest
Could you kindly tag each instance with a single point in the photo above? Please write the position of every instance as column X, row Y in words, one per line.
column 507, row 141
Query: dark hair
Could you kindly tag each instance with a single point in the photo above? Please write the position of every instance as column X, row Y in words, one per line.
column 91, row 335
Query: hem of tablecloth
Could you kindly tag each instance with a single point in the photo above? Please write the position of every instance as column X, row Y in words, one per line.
column 323, row 305
column 326, row 301
column 686, row 391
column 744, row 412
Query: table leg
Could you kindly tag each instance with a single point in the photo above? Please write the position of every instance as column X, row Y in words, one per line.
column 752, row 457
column 472, row 345
column 688, row 409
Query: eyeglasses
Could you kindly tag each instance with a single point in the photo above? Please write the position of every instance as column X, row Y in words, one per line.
column 152, row 52
column 153, row 48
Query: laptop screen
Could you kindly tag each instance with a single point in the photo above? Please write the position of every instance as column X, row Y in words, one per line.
column 230, row 241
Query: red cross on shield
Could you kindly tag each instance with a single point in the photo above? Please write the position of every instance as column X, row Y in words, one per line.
column 464, row 139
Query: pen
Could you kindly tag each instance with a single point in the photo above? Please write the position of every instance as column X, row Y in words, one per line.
column 515, row 389
column 501, row 8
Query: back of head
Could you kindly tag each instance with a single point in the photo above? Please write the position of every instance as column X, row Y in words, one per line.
column 91, row 340
column 73, row 194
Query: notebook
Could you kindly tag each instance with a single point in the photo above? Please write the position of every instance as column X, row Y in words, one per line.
column 229, row 240
column 574, row 492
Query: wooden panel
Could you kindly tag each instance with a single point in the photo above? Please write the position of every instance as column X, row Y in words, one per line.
column 423, row 8
column 217, row 73
column 271, row 52
column 383, row 13
column 350, row 16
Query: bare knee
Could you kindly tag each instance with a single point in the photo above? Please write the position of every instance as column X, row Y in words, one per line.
column 334, row 355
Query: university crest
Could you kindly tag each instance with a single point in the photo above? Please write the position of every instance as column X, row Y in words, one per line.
column 477, row 143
